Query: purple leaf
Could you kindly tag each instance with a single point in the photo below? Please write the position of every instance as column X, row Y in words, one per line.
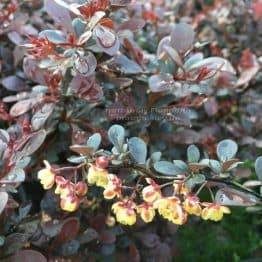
column 160, row 83
column 28, row 256
column 86, row 65
column 59, row 13
column 23, row 106
column 86, row 88
column 13, row 83
column 106, row 39
column 182, row 37
column 134, row 24
column 33, row 72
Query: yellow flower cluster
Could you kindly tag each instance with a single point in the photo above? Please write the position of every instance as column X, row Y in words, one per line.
column 97, row 176
column 69, row 192
column 100, row 177
column 175, row 208
column 170, row 208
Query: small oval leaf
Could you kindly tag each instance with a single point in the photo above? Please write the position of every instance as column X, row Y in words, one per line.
column 138, row 149
column 226, row 149
column 167, row 168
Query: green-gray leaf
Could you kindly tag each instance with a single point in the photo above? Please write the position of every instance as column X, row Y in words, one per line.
column 94, row 141
column 138, row 149
column 196, row 179
column 116, row 135
column 193, row 154
column 181, row 165
column 53, row 36
column 79, row 26
column 226, row 149
column 166, row 168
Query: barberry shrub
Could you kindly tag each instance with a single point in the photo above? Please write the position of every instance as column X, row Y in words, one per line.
column 114, row 116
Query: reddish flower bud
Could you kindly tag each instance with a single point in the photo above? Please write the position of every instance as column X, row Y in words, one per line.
column 81, row 188
column 102, row 162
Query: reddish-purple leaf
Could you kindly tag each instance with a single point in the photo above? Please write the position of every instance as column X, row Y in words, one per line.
column 134, row 24
column 31, row 144
column 33, row 72
column 13, row 83
column 86, row 88
column 23, row 106
column 182, row 37
column 28, row 256
column 86, row 65
column 106, row 39
column 69, row 230
column 59, row 13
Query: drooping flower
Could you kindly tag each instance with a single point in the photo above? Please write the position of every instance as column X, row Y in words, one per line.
column 125, row 212
column 151, row 192
column 170, row 208
column 70, row 203
column 63, row 187
column 192, row 206
column 97, row 176
column 113, row 188
column 214, row 212
column 46, row 176
column 146, row 211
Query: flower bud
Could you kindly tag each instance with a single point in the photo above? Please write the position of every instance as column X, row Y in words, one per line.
column 102, row 162
column 81, row 188
column 110, row 221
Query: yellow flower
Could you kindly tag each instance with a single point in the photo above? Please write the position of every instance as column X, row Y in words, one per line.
column 125, row 212
column 146, row 211
column 214, row 211
column 97, row 176
column 170, row 208
column 113, row 188
column 63, row 187
column 46, row 176
column 70, row 203
column 192, row 205
column 152, row 192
